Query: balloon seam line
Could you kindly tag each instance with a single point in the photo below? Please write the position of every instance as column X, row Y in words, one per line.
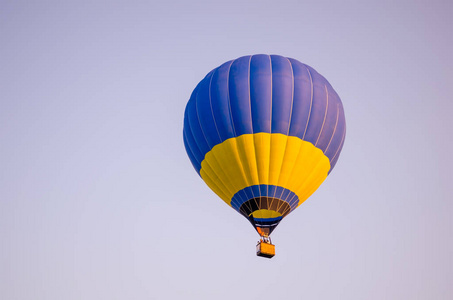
column 212, row 110
column 311, row 103
column 334, row 130
column 201, row 127
column 325, row 115
column 341, row 144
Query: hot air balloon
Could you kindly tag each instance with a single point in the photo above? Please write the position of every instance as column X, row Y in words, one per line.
column 263, row 132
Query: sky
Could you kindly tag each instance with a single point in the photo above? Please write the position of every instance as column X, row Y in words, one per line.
column 98, row 199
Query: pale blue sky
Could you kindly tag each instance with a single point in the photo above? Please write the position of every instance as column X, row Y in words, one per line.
column 98, row 199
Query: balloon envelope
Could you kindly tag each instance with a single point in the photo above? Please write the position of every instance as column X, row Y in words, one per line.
column 264, row 132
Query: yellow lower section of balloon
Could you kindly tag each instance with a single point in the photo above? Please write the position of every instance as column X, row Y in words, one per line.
column 264, row 158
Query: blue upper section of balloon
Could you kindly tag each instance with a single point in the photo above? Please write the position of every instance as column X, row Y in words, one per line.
column 263, row 93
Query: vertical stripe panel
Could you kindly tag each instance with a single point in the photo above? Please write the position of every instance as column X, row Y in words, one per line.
column 291, row 152
column 318, row 109
column 261, row 93
column 278, row 146
column 337, row 153
column 338, row 135
column 220, row 101
column 195, row 127
column 240, row 96
column 282, row 94
column 198, row 155
column 329, row 122
column 204, row 111
column 263, row 153
column 302, row 99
